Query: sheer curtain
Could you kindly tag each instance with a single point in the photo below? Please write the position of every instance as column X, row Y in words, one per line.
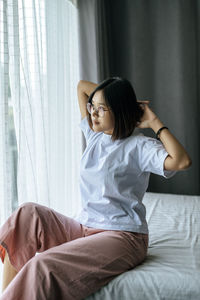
column 42, row 46
column 5, row 149
column 65, row 142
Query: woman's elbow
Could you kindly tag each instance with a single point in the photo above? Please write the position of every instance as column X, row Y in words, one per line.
column 185, row 164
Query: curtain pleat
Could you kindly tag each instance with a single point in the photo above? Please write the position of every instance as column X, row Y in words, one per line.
column 6, row 183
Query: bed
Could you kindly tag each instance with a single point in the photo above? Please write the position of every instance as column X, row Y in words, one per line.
column 171, row 270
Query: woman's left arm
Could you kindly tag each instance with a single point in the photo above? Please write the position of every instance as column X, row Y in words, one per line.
column 178, row 158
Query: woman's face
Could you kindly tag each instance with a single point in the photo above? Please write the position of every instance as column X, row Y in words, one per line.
column 105, row 123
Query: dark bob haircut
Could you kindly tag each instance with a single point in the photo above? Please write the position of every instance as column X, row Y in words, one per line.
column 120, row 98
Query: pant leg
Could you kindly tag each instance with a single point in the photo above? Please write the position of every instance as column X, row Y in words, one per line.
column 79, row 268
column 35, row 228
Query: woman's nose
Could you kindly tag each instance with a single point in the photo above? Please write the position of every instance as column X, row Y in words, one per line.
column 95, row 112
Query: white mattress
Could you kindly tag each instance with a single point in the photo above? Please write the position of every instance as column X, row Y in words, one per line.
column 171, row 270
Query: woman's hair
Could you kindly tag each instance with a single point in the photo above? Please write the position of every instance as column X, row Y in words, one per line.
column 120, row 98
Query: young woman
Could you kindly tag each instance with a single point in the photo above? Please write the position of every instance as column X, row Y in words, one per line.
column 110, row 236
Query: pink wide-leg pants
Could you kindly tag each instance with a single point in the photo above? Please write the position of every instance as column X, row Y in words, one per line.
column 74, row 261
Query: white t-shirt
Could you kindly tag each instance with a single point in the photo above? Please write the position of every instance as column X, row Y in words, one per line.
column 114, row 177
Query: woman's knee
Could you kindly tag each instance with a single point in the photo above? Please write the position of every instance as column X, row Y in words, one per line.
column 28, row 211
column 29, row 207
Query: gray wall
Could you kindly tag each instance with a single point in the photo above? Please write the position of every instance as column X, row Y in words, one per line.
column 155, row 45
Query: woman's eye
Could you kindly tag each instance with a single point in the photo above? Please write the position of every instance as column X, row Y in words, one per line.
column 100, row 108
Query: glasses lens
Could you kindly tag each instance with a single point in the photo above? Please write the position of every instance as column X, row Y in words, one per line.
column 101, row 111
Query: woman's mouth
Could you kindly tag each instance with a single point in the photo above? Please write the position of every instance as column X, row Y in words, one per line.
column 95, row 122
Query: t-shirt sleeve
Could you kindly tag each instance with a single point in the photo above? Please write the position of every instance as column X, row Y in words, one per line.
column 87, row 131
column 151, row 156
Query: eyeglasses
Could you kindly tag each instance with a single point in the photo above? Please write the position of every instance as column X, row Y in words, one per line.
column 99, row 110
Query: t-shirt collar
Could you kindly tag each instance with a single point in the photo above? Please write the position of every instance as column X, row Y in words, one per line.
column 106, row 137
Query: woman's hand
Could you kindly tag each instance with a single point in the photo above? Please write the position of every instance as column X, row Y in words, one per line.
column 148, row 117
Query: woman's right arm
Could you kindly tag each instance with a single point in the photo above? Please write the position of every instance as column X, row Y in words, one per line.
column 84, row 89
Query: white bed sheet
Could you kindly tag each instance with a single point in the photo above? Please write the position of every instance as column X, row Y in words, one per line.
column 171, row 270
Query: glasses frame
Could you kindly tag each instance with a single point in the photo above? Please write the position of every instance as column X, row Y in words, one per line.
column 91, row 106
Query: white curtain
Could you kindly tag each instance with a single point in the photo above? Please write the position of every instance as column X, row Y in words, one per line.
column 5, row 149
column 44, row 72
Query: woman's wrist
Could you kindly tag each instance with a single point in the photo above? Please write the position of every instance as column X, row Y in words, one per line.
column 156, row 124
